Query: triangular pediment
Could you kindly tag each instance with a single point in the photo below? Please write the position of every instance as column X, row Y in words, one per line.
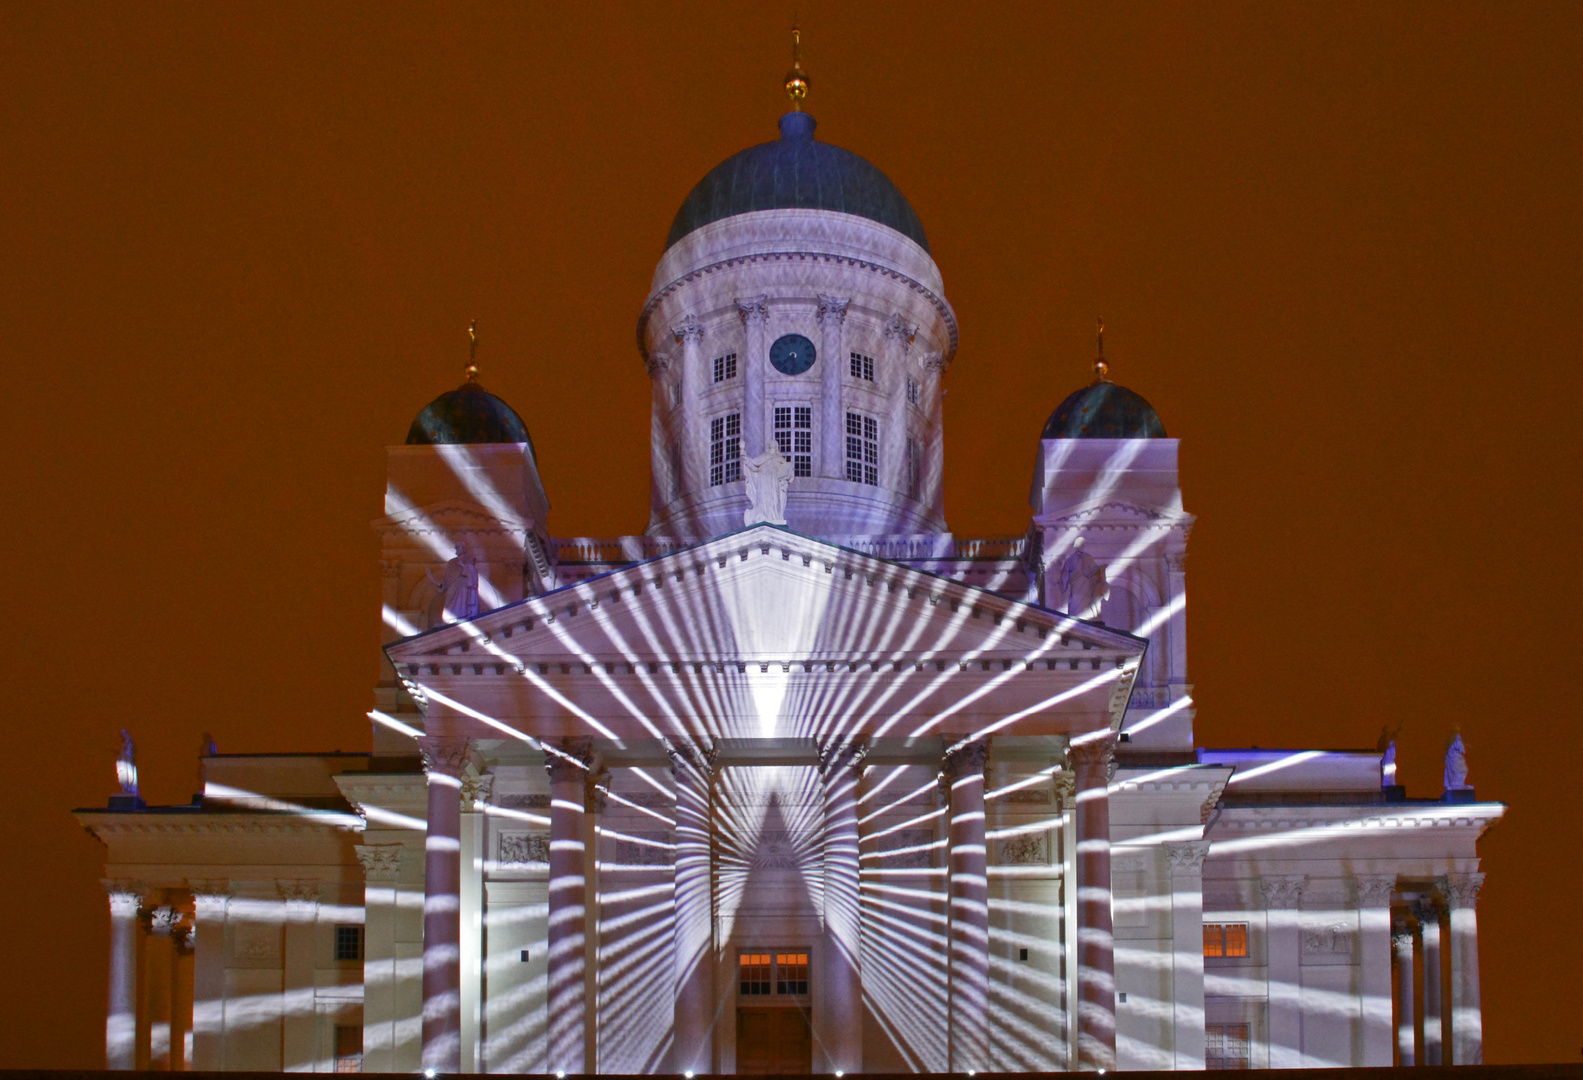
column 1114, row 512
column 451, row 517
column 767, row 632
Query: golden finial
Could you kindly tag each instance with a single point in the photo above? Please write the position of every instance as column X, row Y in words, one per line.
column 1101, row 369
column 796, row 78
column 472, row 352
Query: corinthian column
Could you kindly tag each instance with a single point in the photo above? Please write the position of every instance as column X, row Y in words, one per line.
column 755, row 317
column 1283, row 895
column 568, row 761
column 1096, row 946
column 209, row 900
column 1187, row 949
column 1402, row 948
column 443, row 762
column 690, row 442
column 969, row 900
column 1467, row 1017
column 832, row 421
column 1374, row 944
column 1429, row 913
column 120, row 1036
column 693, row 770
column 839, row 1019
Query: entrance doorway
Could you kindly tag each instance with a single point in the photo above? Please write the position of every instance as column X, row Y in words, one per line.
column 773, row 1034
column 773, row 1041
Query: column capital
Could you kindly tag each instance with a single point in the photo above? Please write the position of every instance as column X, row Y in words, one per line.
column 445, row 756
column 1283, row 892
column 598, row 793
column 300, row 894
column 477, row 787
column 164, row 921
column 836, row 755
column 897, row 329
column 1187, row 858
column 1462, row 890
column 754, row 310
column 933, row 362
column 1374, row 890
column 126, row 896
column 1402, row 937
column 209, row 896
column 381, row 862
column 689, row 331
column 1091, row 755
column 693, row 758
column 1065, row 789
column 966, row 759
column 832, row 309
column 1427, row 909
column 568, row 759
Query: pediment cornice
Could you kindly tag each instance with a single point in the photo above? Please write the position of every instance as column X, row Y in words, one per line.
column 452, row 517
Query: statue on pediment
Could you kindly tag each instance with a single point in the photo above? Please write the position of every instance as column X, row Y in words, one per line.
column 458, row 589
column 1456, row 777
column 768, row 476
column 126, row 765
column 1082, row 582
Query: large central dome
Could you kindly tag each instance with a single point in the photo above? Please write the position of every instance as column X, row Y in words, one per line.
column 796, row 172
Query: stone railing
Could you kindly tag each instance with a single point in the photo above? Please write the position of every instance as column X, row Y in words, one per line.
column 924, row 546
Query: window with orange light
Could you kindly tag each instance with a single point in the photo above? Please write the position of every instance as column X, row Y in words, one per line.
column 1225, row 939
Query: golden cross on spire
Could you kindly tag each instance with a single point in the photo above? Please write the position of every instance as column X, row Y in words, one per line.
column 796, row 78
column 1101, row 369
column 472, row 351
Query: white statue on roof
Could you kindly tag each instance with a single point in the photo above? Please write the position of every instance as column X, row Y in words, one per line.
column 126, row 765
column 768, row 477
column 1456, row 777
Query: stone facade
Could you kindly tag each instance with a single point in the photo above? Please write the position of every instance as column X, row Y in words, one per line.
column 850, row 795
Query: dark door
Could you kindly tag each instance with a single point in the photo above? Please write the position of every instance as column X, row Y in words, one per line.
column 773, row 1041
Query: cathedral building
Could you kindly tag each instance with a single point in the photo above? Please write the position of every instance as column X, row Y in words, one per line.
column 798, row 780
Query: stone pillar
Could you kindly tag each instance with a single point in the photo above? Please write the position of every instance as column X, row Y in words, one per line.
column 893, row 427
column 1402, row 945
column 1467, row 1018
column 156, row 1013
column 568, row 762
column 298, row 964
column 969, row 908
column 839, row 1004
column 693, row 769
column 1374, row 944
column 1096, row 959
column 475, row 792
column 832, row 375
column 443, row 762
column 1187, row 949
column 1429, row 913
column 381, row 876
column 209, row 899
column 931, row 480
column 1283, row 894
column 181, row 995
column 692, row 446
column 1066, row 791
column 120, row 1036
column 755, row 353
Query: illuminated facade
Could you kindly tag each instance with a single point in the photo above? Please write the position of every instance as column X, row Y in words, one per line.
column 844, row 794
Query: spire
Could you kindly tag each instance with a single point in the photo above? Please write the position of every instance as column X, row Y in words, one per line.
column 796, row 78
column 471, row 370
column 1101, row 369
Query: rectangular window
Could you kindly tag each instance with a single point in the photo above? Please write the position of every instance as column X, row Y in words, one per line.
column 1226, row 1046
column 794, row 433
column 348, row 942
column 862, row 367
column 348, row 1048
column 914, row 467
column 862, row 449
column 725, row 367
column 755, row 974
column 1226, row 939
column 791, row 973
column 914, row 394
column 725, row 449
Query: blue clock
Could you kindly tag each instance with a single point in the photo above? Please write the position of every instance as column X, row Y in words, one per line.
column 792, row 354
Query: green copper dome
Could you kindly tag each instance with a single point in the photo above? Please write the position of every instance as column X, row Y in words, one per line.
column 1103, row 410
column 468, row 414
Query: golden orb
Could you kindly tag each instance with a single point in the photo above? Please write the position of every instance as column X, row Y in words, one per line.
column 1101, row 371
column 796, row 87
column 471, row 371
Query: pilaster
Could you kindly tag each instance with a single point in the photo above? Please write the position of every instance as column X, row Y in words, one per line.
column 210, row 898
column 126, row 898
column 444, row 760
column 832, row 411
column 839, row 1008
column 1467, row 1016
column 1374, row 940
column 1283, row 895
column 693, row 771
column 381, row 875
column 689, row 436
column 754, row 311
column 568, row 762
column 1096, row 957
column 1187, row 949
column 969, row 908
column 300, row 896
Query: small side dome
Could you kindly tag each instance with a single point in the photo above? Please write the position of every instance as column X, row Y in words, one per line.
column 1103, row 410
column 468, row 414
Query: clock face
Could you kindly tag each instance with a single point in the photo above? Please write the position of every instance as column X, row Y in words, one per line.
column 792, row 354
